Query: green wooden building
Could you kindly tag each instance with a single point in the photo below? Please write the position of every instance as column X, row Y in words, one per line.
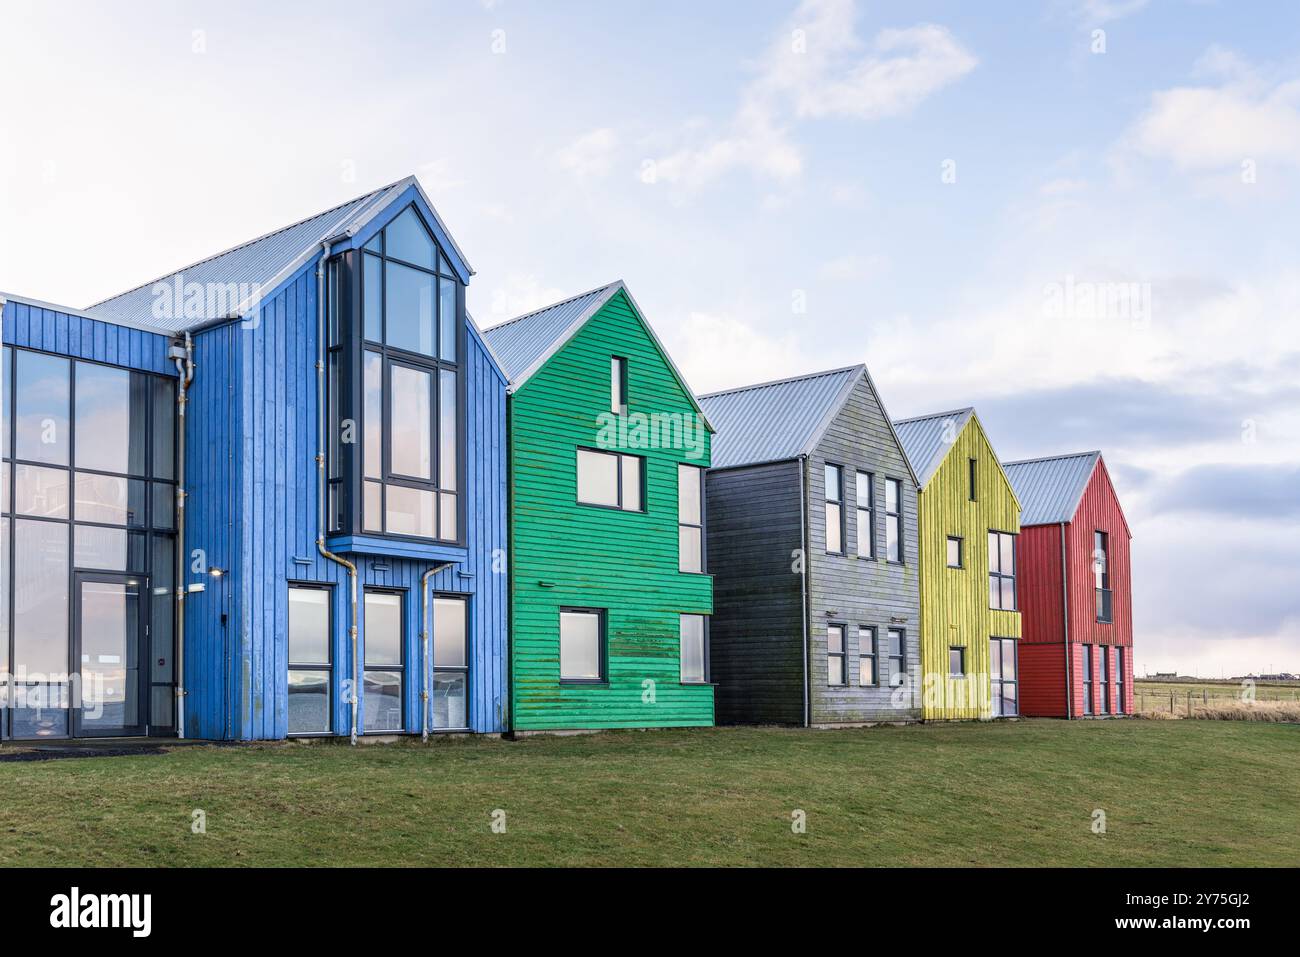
column 610, row 604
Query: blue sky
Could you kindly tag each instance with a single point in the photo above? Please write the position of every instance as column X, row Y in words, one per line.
column 785, row 187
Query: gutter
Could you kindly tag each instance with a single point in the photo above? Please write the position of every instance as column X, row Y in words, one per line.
column 320, row 475
column 183, row 354
column 803, row 582
column 1065, row 621
column 424, row 645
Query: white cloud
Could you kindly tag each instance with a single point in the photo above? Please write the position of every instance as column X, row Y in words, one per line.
column 520, row 294
column 590, row 154
column 720, row 352
column 818, row 67
column 851, row 267
column 1097, row 12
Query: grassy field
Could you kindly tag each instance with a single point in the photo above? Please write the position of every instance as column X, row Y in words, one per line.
column 1174, row 793
column 1264, row 691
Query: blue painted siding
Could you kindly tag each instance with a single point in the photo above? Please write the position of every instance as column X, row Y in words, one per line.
column 49, row 330
column 252, row 442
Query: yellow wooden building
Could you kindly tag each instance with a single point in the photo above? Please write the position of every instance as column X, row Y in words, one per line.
column 968, row 517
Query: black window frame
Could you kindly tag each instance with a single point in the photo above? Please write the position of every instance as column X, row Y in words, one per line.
column 866, row 514
column 900, row 658
column 602, row 652
column 347, row 346
column 1105, row 611
column 618, row 400
column 842, row 655
column 961, row 552
column 436, row 669
column 973, row 477
column 400, row 668
column 704, row 637
column 1119, row 680
column 872, row 657
column 896, row 518
column 1002, row 576
column 699, row 472
column 1103, row 678
column 618, row 479
column 836, row 503
column 998, row 682
column 1087, row 678
column 961, row 661
column 315, row 667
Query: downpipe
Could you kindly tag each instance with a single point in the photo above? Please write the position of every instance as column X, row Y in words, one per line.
column 424, row 646
column 320, row 477
column 184, row 358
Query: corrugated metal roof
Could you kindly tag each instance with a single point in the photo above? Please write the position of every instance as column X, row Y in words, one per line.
column 259, row 265
column 520, row 343
column 1050, row 488
column 927, row 438
column 776, row 421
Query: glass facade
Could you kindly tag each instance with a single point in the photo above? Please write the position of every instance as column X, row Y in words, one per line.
column 87, row 552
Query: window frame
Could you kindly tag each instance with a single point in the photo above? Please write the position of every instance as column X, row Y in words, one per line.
column 1101, row 578
column 1103, row 679
column 618, row 479
column 1119, row 680
column 973, row 478
column 872, row 656
column 400, row 668
column 961, row 661
column 1087, row 678
column 896, row 517
column 435, row 669
column 1002, row 576
column 901, row 657
column 618, row 401
column 602, row 650
column 699, row 471
column 961, row 552
column 842, row 654
column 316, row 667
column 997, row 684
column 704, row 638
column 837, row 503
column 866, row 514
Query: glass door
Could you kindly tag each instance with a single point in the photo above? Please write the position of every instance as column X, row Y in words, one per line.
column 108, row 635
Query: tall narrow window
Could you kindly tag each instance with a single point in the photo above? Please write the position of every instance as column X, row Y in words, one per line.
column 1002, row 571
column 310, row 660
column 956, row 662
column 610, row 480
column 954, row 551
column 893, row 520
column 690, row 518
column 1103, row 682
column 409, row 385
column 835, row 655
column 582, row 644
column 694, row 649
column 618, row 385
column 1120, row 701
column 866, row 515
column 384, row 660
column 897, row 656
column 973, row 467
column 1087, row 679
column 450, row 686
column 1002, row 672
column 1101, row 574
column 866, row 656
column 834, row 510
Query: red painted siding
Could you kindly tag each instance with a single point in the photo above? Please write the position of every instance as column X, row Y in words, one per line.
column 1042, row 661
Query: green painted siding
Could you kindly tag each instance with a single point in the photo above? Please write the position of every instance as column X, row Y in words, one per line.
column 955, row 601
column 564, row 554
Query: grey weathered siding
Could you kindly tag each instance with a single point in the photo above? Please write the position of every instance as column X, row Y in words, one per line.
column 853, row 591
column 756, row 638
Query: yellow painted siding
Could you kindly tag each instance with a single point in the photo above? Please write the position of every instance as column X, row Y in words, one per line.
column 955, row 601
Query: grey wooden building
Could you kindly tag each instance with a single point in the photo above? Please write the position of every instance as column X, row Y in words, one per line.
column 811, row 530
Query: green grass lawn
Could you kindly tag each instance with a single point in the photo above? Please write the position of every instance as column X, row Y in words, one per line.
column 1264, row 691
column 1174, row 793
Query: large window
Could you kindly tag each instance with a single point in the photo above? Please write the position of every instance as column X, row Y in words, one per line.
column 893, row 520
column 611, row 480
column 1103, row 678
column 1120, row 701
column 582, row 644
column 866, row 505
column 834, row 510
column 694, row 649
column 835, row 670
column 897, row 656
column 866, row 656
column 394, row 361
column 1087, row 679
column 1002, row 671
column 690, row 518
column 450, row 662
column 384, row 658
column 1002, row 571
column 87, row 485
column 310, row 684
column 1101, row 574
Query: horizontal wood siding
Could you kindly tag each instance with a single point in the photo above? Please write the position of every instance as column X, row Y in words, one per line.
column 853, row 591
column 565, row 554
column 756, row 643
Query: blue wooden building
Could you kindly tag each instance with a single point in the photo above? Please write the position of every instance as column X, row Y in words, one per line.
column 334, row 354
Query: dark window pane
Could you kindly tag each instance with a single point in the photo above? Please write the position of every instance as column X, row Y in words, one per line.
column 309, row 626
column 383, row 629
column 4, row 602
column 383, row 701
column 406, row 238
column 449, row 632
column 164, row 427
column 8, row 370
column 162, row 708
column 41, row 708
column 109, row 499
column 163, row 605
column 449, row 319
column 41, row 408
column 41, row 596
column 410, row 411
column 408, row 308
column 40, row 491
column 164, row 505
column 447, row 464
column 372, row 284
column 449, row 700
column 110, row 419
column 112, row 549
column 309, row 702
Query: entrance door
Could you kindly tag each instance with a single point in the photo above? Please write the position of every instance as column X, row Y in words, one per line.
column 107, row 638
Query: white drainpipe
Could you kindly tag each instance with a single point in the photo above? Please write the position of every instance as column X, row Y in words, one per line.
column 424, row 648
column 184, row 358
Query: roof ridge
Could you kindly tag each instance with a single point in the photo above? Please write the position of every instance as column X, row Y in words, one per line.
column 794, row 378
column 561, row 302
column 1051, row 458
column 936, row 415
column 275, row 232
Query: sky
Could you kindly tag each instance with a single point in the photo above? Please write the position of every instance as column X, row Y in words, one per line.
column 1078, row 216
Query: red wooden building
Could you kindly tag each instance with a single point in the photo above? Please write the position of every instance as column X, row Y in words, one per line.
column 1077, row 627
